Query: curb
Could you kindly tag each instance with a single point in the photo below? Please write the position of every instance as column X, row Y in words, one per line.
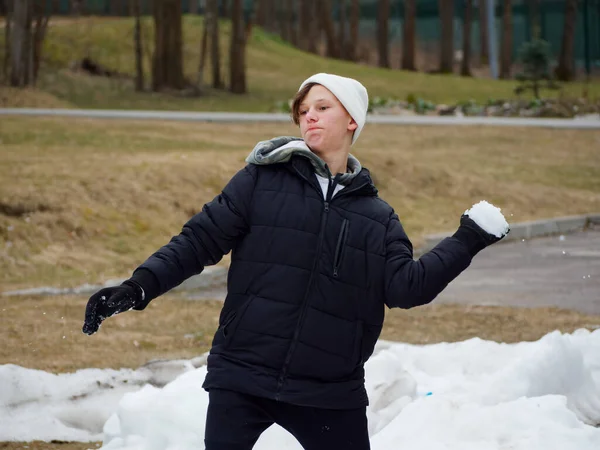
column 528, row 230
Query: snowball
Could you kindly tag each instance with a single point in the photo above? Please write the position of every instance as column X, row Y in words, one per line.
column 488, row 217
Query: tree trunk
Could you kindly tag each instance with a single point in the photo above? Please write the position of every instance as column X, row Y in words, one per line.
column 354, row 21
column 261, row 13
column 483, row 32
column 342, row 30
column 194, row 7
column 565, row 71
column 291, row 23
column 21, row 45
column 167, row 63
column 465, row 67
column 446, row 8
column 383, row 14
column 327, row 24
column 408, row 35
column 203, row 51
column 212, row 22
column 282, row 19
column 506, row 57
column 225, row 9
column 137, row 42
column 314, row 26
column 114, row 7
column 42, row 17
column 237, row 50
column 270, row 15
column 7, row 38
column 305, row 17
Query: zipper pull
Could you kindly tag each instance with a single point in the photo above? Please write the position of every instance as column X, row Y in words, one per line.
column 335, row 272
column 326, row 206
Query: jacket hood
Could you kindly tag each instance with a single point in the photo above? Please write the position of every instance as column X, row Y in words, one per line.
column 281, row 149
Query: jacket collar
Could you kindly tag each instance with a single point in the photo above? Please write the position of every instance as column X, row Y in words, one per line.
column 361, row 184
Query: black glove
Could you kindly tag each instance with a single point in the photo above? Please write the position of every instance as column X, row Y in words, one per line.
column 110, row 301
column 474, row 236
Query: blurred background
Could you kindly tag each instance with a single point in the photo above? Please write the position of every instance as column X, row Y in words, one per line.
column 83, row 201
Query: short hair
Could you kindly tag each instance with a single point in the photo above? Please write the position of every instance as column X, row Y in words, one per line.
column 299, row 98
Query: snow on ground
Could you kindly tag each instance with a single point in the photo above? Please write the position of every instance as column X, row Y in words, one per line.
column 471, row 395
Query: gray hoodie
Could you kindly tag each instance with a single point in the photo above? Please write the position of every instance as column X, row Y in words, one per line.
column 280, row 149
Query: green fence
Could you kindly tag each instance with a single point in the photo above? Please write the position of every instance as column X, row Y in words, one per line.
column 550, row 21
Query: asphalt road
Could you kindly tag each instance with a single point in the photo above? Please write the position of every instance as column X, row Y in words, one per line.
column 550, row 271
column 591, row 122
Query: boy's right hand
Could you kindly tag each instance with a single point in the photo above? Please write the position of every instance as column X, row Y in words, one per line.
column 110, row 301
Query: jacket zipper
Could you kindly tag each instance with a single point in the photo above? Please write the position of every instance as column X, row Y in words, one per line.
column 294, row 343
column 340, row 248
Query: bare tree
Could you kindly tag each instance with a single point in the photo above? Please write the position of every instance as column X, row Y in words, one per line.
column 41, row 15
column 270, row 15
column 383, row 14
column 506, row 51
column 237, row 50
column 282, row 19
column 261, row 13
column 314, row 26
column 408, row 35
column 137, row 43
column 212, row 23
column 305, row 17
column 291, row 23
column 483, row 32
column 565, row 71
column 167, row 62
column 7, row 36
column 203, row 51
column 327, row 24
column 465, row 66
column 114, row 7
column 225, row 10
column 21, row 51
column 446, row 8
column 354, row 21
column 342, row 30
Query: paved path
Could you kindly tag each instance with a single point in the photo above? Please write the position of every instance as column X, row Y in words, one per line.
column 580, row 123
column 550, row 271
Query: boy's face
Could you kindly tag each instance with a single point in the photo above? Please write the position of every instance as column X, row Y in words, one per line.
column 325, row 124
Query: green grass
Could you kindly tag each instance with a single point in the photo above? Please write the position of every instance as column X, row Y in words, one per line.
column 275, row 70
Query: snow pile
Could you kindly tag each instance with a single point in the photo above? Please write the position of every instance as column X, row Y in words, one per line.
column 488, row 217
column 471, row 395
column 37, row 405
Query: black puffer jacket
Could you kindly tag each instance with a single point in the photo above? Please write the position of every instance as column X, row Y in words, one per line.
column 307, row 284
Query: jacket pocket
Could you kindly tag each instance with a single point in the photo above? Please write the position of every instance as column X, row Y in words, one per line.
column 339, row 248
column 225, row 327
column 234, row 320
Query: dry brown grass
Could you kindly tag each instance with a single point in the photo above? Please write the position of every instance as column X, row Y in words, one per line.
column 45, row 332
column 11, row 97
column 88, row 200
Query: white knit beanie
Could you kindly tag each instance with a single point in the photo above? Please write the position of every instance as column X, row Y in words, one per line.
column 352, row 94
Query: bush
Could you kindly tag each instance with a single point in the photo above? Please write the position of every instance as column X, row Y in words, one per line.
column 535, row 57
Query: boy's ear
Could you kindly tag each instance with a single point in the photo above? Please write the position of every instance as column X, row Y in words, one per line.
column 352, row 125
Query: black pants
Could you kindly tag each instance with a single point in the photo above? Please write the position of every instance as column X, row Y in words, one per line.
column 235, row 422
